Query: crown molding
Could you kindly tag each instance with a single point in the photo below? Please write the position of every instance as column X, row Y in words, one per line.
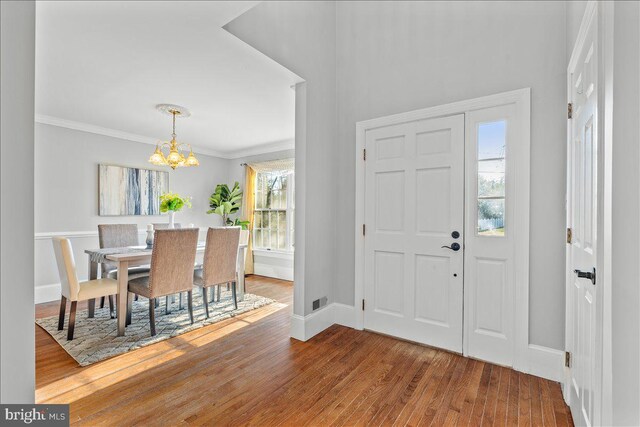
column 288, row 144
column 99, row 130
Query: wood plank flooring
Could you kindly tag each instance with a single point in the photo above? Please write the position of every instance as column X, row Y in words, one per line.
column 247, row 371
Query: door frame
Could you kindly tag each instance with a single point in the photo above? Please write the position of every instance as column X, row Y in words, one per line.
column 600, row 13
column 522, row 99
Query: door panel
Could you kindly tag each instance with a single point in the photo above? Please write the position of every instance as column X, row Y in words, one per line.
column 492, row 150
column 414, row 200
column 582, row 219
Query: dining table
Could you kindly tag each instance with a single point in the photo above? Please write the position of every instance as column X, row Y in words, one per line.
column 134, row 256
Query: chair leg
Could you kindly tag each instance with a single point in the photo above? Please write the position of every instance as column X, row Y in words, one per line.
column 136, row 297
column 166, row 305
column 111, row 307
column 152, row 316
column 205, row 301
column 218, row 293
column 228, row 286
column 190, row 304
column 92, row 308
column 63, row 307
column 180, row 302
column 233, row 290
column 156, row 302
column 129, row 308
column 102, row 302
column 72, row 320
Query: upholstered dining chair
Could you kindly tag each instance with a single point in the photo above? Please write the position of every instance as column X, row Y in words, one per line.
column 74, row 290
column 118, row 236
column 172, row 260
column 220, row 262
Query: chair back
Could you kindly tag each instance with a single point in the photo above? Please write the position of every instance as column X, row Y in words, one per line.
column 66, row 268
column 172, row 260
column 165, row 226
column 118, row 235
column 220, row 255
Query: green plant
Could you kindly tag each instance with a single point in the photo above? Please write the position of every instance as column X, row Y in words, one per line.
column 241, row 223
column 173, row 202
column 225, row 202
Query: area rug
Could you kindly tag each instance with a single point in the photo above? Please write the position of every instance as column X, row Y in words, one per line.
column 95, row 339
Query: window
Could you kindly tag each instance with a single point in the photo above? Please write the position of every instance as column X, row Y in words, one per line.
column 491, row 178
column 273, row 214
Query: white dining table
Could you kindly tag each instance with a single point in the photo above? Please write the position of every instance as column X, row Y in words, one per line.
column 143, row 257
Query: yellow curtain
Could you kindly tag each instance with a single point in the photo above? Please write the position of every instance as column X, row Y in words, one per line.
column 248, row 204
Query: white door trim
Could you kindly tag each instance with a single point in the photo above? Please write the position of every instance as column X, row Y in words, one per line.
column 522, row 99
column 602, row 12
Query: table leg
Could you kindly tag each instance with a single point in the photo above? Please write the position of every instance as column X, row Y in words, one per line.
column 240, row 284
column 93, row 274
column 123, row 283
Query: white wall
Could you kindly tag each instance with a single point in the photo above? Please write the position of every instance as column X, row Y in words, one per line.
column 401, row 56
column 625, row 289
column 17, row 345
column 302, row 37
column 279, row 266
column 66, row 193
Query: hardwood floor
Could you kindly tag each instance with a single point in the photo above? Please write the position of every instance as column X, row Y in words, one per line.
column 247, row 370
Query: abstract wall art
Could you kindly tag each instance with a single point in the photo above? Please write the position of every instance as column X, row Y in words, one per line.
column 130, row 191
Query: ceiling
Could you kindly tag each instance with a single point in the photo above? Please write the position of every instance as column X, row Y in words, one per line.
column 103, row 66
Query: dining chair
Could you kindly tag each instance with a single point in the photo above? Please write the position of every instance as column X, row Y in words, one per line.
column 165, row 226
column 220, row 262
column 172, row 260
column 118, row 236
column 74, row 290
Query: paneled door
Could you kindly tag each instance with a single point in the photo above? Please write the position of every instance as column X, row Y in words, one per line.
column 414, row 217
column 582, row 220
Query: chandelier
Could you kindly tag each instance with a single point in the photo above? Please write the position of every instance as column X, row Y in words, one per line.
column 175, row 157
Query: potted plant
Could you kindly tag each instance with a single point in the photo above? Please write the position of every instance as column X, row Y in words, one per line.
column 172, row 203
column 225, row 202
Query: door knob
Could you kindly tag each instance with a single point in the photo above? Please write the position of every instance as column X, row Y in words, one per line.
column 454, row 246
column 591, row 275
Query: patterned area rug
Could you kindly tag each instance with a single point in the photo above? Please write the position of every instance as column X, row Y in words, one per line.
column 95, row 339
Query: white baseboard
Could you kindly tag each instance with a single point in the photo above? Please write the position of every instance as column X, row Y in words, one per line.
column 306, row 327
column 344, row 315
column 545, row 362
column 47, row 293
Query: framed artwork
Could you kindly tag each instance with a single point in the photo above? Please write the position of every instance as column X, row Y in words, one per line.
column 130, row 191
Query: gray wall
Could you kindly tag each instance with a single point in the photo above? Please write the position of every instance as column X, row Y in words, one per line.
column 393, row 57
column 401, row 56
column 625, row 289
column 66, row 192
column 17, row 355
column 302, row 37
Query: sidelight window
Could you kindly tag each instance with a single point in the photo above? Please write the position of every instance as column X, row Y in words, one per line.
column 491, row 178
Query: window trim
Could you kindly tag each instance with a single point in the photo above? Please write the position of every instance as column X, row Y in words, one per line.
column 289, row 214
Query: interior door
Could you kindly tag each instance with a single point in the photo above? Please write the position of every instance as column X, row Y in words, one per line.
column 414, row 216
column 582, row 219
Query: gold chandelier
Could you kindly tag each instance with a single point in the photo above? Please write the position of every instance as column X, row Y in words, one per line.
column 175, row 158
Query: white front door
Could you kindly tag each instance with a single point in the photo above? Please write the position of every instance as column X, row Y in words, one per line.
column 582, row 219
column 414, row 216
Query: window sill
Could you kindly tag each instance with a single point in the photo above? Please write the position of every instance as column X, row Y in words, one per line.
column 273, row 253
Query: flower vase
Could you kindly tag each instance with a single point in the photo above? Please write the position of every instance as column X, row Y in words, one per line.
column 149, row 240
column 172, row 217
